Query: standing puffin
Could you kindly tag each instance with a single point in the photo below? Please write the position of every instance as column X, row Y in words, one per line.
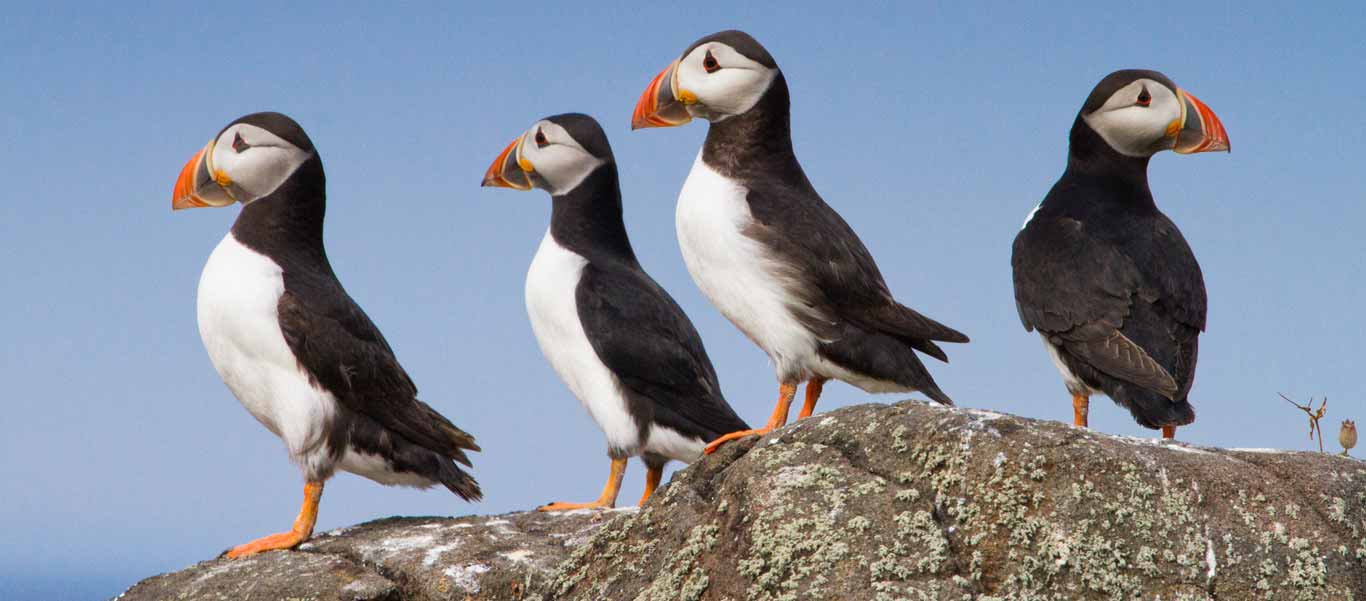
column 616, row 338
column 300, row 355
column 1104, row 277
column 764, row 247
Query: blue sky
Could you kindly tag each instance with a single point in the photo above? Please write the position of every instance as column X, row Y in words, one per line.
column 933, row 129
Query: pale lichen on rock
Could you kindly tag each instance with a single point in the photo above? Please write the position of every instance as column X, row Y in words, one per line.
column 890, row 503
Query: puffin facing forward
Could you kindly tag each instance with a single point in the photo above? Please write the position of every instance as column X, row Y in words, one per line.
column 299, row 354
column 1106, row 279
column 616, row 338
column 763, row 246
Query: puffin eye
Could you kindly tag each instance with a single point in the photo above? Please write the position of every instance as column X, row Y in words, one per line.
column 1144, row 98
column 709, row 63
column 238, row 144
column 541, row 142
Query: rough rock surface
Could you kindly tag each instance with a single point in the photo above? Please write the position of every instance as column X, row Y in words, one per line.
column 395, row 559
column 882, row 502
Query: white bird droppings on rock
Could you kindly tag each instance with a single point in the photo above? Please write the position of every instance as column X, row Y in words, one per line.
column 518, row 556
column 434, row 554
column 467, row 576
column 377, row 553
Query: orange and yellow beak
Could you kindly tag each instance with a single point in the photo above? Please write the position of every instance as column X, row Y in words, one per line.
column 510, row 170
column 663, row 104
column 199, row 186
column 1199, row 129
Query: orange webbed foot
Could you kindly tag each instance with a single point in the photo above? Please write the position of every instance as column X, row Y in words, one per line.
column 275, row 542
column 303, row 528
column 777, row 420
column 725, row 438
column 608, row 498
column 561, row 506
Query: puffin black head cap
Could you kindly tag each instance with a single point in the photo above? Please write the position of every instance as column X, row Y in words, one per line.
column 1139, row 113
column 554, row 154
column 718, row 76
column 247, row 160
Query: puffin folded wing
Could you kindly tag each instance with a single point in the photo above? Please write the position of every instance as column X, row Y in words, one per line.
column 648, row 343
column 1121, row 358
column 1066, row 279
column 340, row 348
column 834, row 277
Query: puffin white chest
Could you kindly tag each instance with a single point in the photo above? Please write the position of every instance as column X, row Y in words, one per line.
column 238, row 321
column 551, row 284
column 736, row 272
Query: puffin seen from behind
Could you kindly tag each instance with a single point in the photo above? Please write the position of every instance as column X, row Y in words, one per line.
column 616, row 338
column 1105, row 278
column 299, row 354
column 763, row 246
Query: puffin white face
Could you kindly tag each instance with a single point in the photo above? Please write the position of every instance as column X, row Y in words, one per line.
column 554, row 159
column 714, row 81
column 244, row 163
column 1138, row 119
column 250, row 162
column 546, row 157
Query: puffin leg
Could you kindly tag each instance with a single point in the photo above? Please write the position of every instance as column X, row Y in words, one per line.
column 1168, row 432
column 813, row 393
column 303, row 527
column 1081, row 407
column 652, row 476
column 779, row 419
column 608, row 498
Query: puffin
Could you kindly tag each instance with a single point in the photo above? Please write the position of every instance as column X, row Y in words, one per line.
column 1101, row 274
column 767, row 250
column 287, row 339
column 619, row 342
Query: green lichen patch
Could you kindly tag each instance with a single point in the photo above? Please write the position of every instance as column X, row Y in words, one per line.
column 909, row 502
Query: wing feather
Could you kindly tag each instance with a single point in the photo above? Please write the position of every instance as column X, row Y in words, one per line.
column 341, row 349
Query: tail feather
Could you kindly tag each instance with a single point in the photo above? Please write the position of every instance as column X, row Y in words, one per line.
column 1151, row 409
column 929, row 348
column 403, row 456
column 900, row 320
column 458, row 441
column 460, row 482
column 884, row 357
column 937, row 395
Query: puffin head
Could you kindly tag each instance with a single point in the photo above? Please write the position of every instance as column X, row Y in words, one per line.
column 248, row 160
column 1139, row 113
column 555, row 154
column 718, row 76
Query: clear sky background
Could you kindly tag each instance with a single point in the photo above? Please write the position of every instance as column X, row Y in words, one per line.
column 934, row 130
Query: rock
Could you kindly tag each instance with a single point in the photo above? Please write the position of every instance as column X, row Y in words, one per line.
column 395, row 559
column 272, row 576
column 877, row 502
column 916, row 502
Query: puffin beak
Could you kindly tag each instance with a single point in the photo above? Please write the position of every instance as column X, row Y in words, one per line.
column 663, row 104
column 509, row 170
column 196, row 187
column 1199, row 129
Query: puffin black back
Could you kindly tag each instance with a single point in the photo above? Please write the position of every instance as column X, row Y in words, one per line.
column 1101, row 273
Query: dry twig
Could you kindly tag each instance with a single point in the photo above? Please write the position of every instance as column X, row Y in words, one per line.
column 1314, row 416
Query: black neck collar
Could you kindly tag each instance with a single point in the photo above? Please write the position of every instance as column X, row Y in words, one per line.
column 758, row 140
column 1090, row 156
column 287, row 224
column 587, row 220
